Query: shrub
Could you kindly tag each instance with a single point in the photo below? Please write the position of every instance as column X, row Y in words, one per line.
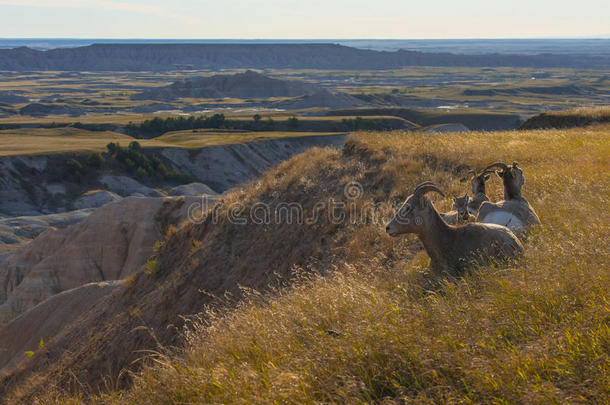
column 151, row 267
column 96, row 160
column 112, row 148
column 134, row 146
column 293, row 122
column 141, row 173
column 74, row 167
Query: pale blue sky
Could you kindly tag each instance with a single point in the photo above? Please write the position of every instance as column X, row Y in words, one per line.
column 296, row 19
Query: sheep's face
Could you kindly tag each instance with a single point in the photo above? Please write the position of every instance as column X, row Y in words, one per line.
column 409, row 218
column 478, row 183
column 513, row 180
column 460, row 204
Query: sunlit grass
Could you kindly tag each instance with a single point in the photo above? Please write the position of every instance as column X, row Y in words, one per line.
column 33, row 141
column 37, row 141
column 590, row 112
column 374, row 330
column 200, row 139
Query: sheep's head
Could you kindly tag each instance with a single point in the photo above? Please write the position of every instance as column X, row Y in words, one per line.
column 460, row 204
column 478, row 180
column 512, row 177
column 415, row 213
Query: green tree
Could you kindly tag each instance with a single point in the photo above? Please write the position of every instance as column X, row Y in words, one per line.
column 75, row 167
column 96, row 160
column 293, row 122
column 135, row 146
column 112, row 148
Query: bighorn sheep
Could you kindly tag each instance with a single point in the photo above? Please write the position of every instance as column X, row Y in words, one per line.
column 460, row 213
column 479, row 196
column 452, row 248
column 514, row 212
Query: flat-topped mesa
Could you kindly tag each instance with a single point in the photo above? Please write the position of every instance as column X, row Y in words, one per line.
column 514, row 211
column 452, row 249
column 460, row 213
column 479, row 195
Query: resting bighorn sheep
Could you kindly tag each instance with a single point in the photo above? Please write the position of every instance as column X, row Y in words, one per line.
column 452, row 248
column 460, row 213
column 514, row 212
column 479, row 196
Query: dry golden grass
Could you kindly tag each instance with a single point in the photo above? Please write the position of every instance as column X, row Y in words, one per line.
column 202, row 138
column 578, row 117
column 93, row 118
column 34, row 141
column 373, row 330
column 596, row 113
column 37, row 141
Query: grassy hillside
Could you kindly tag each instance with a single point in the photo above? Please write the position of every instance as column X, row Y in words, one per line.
column 33, row 141
column 472, row 118
column 201, row 138
column 37, row 141
column 361, row 320
column 577, row 117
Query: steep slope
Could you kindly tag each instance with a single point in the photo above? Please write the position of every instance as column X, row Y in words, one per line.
column 241, row 85
column 31, row 185
column 29, row 331
column 200, row 264
column 227, row 166
column 381, row 329
column 110, row 244
column 16, row 231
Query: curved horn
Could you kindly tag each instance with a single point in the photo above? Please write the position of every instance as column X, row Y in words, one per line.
column 421, row 185
column 426, row 187
column 501, row 165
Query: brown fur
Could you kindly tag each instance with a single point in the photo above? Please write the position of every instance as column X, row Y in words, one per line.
column 479, row 194
column 452, row 249
column 460, row 213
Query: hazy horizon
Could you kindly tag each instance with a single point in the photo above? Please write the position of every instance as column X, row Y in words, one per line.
column 590, row 46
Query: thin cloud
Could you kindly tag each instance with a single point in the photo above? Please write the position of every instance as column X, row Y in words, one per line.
column 103, row 4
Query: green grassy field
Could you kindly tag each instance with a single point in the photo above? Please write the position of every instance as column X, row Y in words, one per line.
column 377, row 328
